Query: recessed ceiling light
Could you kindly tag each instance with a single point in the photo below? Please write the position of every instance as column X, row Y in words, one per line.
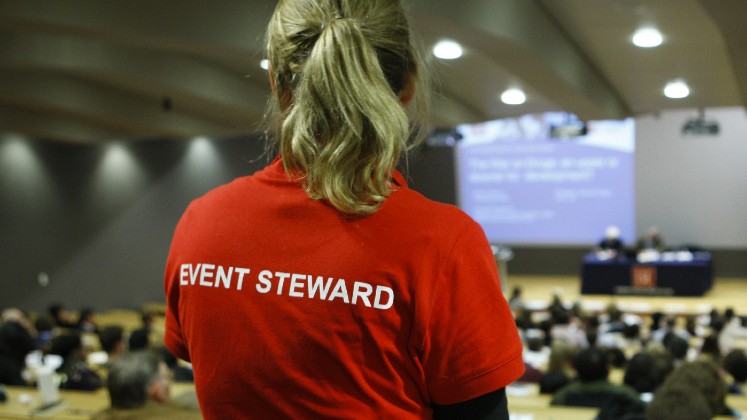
column 647, row 38
column 447, row 50
column 264, row 63
column 513, row 96
column 676, row 89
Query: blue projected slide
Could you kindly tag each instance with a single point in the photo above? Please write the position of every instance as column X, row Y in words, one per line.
column 525, row 187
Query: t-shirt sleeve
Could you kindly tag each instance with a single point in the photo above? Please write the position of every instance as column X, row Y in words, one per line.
column 471, row 345
column 173, row 337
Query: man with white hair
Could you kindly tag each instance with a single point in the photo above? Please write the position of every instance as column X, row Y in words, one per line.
column 611, row 244
column 139, row 386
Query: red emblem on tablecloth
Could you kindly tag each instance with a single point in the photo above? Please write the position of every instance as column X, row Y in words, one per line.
column 643, row 276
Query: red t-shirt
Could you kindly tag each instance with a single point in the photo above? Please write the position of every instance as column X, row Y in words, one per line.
column 288, row 309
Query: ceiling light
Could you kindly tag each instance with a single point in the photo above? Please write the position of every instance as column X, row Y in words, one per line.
column 447, row 50
column 676, row 89
column 647, row 38
column 513, row 96
column 264, row 63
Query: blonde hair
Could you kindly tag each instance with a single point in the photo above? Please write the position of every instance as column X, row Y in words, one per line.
column 337, row 68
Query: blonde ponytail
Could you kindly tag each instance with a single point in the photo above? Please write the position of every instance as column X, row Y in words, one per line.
column 338, row 68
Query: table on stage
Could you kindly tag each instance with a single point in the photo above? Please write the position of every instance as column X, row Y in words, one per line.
column 677, row 275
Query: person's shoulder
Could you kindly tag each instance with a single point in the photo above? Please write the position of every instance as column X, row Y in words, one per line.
column 223, row 196
column 412, row 204
column 559, row 397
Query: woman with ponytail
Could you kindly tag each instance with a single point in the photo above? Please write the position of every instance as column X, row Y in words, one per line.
column 321, row 286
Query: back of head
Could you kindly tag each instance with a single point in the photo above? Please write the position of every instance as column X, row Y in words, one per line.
column 65, row 345
column 561, row 356
column 139, row 339
column 704, row 376
column 55, row 310
column 15, row 341
column 591, row 365
column 641, row 373
column 131, row 377
column 735, row 363
column 679, row 401
column 110, row 336
column 535, row 343
column 676, row 346
column 729, row 314
column 341, row 71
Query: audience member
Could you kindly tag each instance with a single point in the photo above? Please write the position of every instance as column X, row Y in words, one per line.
column 732, row 330
column 670, row 327
column 559, row 371
column 179, row 373
column 592, row 388
column 77, row 374
column 15, row 343
column 60, row 317
column 641, row 373
column 87, row 321
column 565, row 328
column 16, row 315
column 692, row 327
column 44, row 331
column 681, row 401
column 710, row 350
column 622, row 408
column 112, row 342
column 515, row 301
column 139, row 389
column 705, row 376
column 140, row 339
column 677, row 347
column 523, row 317
column 536, row 353
column 735, row 364
column 613, row 322
column 616, row 357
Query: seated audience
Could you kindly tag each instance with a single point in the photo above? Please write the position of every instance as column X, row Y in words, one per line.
column 705, row 377
column 670, row 328
column 60, row 317
column 566, row 328
column 709, row 349
column 112, row 342
column 180, row 373
column 139, row 340
column 677, row 347
column 732, row 330
column 16, row 315
column 735, row 364
column 535, row 352
column 559, row 371
column 645, row 374
column 87, row 321
column 515, row 301
column 15, row 343
column 77, row 374
column 592, row 388
column 622, row 408
column 681, row 401
column 139, row 389
column 44, row 331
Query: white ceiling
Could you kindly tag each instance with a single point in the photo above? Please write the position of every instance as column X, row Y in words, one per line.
column 87, row 71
